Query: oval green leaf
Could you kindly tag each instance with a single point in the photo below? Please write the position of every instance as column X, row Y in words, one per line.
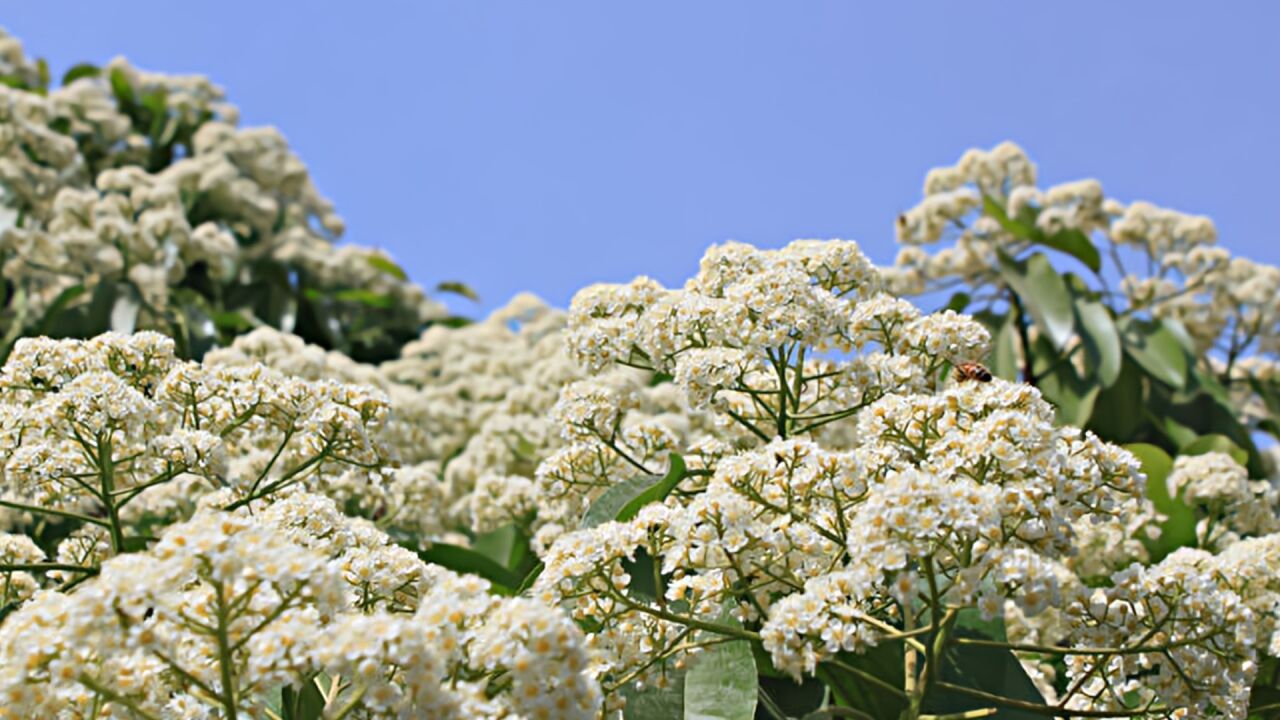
column 1179, row 527
column 722, row 683
column 622, row 501
column 466, row 560
column 1043, row 293
column 1215, row 443
column 79, row 70
column 1101, row 340
column 1076, row 244
column 1158, row 350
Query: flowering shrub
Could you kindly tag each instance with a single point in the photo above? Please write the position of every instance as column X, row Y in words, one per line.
column 130, row 200
column 780, row 490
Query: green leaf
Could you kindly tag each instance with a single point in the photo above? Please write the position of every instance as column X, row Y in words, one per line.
column 1205, row 414
column 42, row 73
column 1175, row 432
column 885, row 662
column 121, row 87
column 1101, row 340
column 622, row 501
column 57, row 306
column 365, row 297
column 992, row 670
column 958, row 302
column 458, row 288
column 721, row 683
column 305, row 703
column 1076, row 244
column 1179, row 528
column 1004, row 353
column 654, row 703
column 658, row 491
column 80, row 70
column 610, row 503
column 454, row 321
column 1015, row 227
column 234, row 322
column 506, row 546
column 1215, row 443
column 1068, row 240
column 466, row 560
column 1043, row 293
column 1072, row 396
column 791, row 698
column 1114, row 418
column 1157, row 349
column 387, row 266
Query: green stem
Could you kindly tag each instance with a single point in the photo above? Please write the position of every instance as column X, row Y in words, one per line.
column 224, row 653
column 45, row 567
column 1047, row 710
column 50, row 511
column 107, row 468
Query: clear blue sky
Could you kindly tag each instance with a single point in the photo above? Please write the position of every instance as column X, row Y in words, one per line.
column 547, row 145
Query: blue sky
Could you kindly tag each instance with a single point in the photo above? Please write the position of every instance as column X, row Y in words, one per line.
column 547, row 145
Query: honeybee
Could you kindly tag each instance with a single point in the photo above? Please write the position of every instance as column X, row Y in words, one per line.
column 977, row 372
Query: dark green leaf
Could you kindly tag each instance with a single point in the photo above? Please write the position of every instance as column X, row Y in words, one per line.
column 1215, row 443
column 1157, row 349
column 80, row 70
column 121, row 87
column 458, row 288
column 793, row 699
column 455, row 321
column 305, row 703
column 57, row 306
column 1179, row 529
column 958, row 302
column 721, row 683
column 1071, row 395
column 1043, row 293
column 1173, row 431
column 989, row 669
column 1101, row 340
column 624, row 500
column 466, row 560
column 1076, row 244
column 1205, row 414
column 387, row 266
column 1004, row 352
column 135, row 543
column 1114, row 418
column 884, row 661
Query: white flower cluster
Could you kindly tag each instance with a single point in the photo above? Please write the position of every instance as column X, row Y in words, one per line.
column 98, row 201
column 228, row 606
column 109, row 429
column 1168, row 262
column 847, row 501
column 1231, row 505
